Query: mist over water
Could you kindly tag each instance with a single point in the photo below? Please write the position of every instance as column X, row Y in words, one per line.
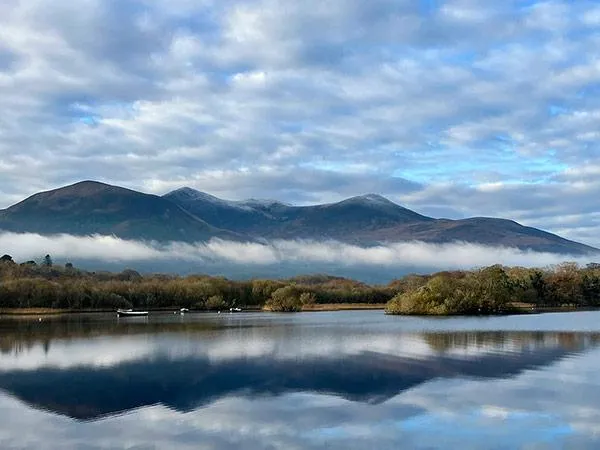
column 310, row 380
column 280, row 258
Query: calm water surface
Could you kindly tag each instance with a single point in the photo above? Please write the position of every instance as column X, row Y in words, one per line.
column 313, row 380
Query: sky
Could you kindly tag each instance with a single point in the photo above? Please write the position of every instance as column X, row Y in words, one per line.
column 453, row 108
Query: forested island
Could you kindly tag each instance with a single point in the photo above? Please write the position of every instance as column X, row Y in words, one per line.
column 490, row 290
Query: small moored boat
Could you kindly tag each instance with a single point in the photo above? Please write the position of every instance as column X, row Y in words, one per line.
column 130, row 313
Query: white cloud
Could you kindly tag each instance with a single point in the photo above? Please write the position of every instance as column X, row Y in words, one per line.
column 408, row 255
column 26, row 246
column 154, row 95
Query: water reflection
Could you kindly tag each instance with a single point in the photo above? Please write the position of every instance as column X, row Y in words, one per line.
column 185, row 384
column 319, row 378
column 189, row 365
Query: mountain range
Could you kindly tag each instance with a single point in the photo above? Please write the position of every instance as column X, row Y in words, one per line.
column 188, row 215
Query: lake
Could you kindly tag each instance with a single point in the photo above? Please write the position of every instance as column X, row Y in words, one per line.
column 335, row 380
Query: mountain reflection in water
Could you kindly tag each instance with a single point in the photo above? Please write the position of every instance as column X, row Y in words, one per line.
column 179, row 365
column 88, row 393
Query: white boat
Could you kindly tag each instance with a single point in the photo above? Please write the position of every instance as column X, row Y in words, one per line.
column 130, row 313
column 235, row 309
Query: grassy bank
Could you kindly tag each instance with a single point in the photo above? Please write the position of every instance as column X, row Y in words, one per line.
column 343, row 307
column 37, row 312
column 512, row 308
column 533, row 309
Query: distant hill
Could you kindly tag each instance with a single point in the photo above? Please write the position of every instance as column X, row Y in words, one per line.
column 189, row 215
column 223, row 214
column 90, row 207
column 349, row 220
column 364, row 220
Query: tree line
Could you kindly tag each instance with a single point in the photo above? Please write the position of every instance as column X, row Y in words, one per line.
column 497, row 289
column 46, row 285
column 490, row 290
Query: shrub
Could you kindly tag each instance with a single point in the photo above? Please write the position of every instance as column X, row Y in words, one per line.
column 486, row 291
column 284, row 299
column 215, row 303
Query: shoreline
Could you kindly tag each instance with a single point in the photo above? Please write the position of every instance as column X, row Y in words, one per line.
column 343, row 307
column 326, row 307
column 514, row 311
column 25, row 312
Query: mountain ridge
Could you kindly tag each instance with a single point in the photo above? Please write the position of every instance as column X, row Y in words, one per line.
column 188, row 215
column 91, row 207
column 380, row 220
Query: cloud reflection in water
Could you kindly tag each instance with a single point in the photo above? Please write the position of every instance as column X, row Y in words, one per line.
column 189, row 388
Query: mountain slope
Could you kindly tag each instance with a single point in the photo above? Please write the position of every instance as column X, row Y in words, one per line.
column 187, row 215
column 485, row 231
column 235, row 216
column 345, row 220
column 365, row 220
column 90, row 207
column 348, row 220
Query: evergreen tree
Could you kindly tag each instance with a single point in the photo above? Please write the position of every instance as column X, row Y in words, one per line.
column 47, row 261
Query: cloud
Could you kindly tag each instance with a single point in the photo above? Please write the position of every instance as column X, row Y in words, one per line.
column 26, row 246
column 315, row 254
column 421, row 101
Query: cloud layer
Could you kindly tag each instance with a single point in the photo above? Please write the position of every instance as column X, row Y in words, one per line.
column 312, row 254
column 451, row 107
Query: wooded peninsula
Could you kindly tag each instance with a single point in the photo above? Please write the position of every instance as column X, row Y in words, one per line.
column 490, row 290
